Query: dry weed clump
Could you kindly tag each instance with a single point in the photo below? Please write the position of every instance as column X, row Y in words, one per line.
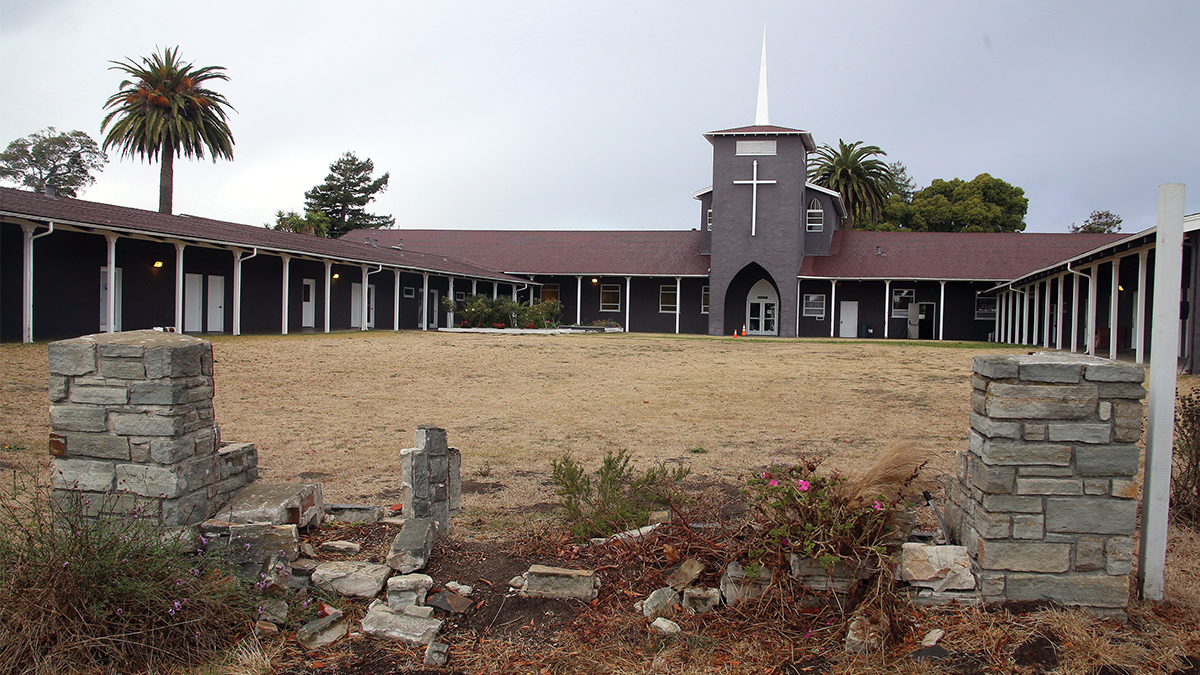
column 86, row 593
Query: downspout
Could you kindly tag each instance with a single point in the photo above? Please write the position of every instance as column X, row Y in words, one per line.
column 237, row 289
column 366, row 310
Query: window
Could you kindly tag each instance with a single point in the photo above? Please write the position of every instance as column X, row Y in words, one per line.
column 704, row 300
column 814, row 305
column 610, row 297
column 549, row 292
column 900, row 299
column 410, row 292
column 708, row 221
column 985, row 308
column 460, row 296
column 668, row 301
column 756, row 147
column 816, row 217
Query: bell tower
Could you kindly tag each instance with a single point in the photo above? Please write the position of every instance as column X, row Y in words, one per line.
column 758, row 204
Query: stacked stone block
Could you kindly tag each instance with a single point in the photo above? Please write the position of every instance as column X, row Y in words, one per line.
column 1045, row 497
column 432, row 485
column 132, row 427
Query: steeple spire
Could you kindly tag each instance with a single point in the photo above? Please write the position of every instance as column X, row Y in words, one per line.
column 760, row 112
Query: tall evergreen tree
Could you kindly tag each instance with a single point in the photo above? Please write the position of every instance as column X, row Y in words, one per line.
column 165, row 110
column 345, row 193
column 1101, row 222
column 853, row 170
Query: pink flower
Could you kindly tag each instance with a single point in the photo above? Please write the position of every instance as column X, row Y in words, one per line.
column 802, row 485
column 765, row 474
column 773, row 483
column 877, row 505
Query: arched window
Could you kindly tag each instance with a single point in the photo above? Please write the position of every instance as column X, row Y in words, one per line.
column 816, row 217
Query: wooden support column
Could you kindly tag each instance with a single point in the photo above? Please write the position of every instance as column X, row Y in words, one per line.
column 1139, row 322
column 942, row 309
column 237, row 287
column 887, row 306
column 628, row 300
column 678, row 299
column 1113, row 304
column 425, row 300
column 328, row 290
column 1090, row 326
column 578, row 300
column 283, row 330
column 111, row 239
column 396, row 300
column 179, row 245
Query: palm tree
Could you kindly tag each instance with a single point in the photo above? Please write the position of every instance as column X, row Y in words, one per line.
column 164, row 110
column 852, row 170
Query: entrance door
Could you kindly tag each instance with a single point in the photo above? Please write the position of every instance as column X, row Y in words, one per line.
column 431, row 308
column 848, row 319
column 193, row 303
column 762, row 309
column 308, row 304
column 926, row 313
column 356, row 305
column 104, row 301
column 216, row 304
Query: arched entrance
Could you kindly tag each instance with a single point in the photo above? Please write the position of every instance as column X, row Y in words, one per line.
column 762, row 309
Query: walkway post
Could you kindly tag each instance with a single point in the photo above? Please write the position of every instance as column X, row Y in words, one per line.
column 1160, row 411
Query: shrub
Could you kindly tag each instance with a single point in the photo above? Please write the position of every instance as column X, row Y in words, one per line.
column 1185, row 469
column 606, row 323
column 481, row 311
column 111, row 594
column 612, row 499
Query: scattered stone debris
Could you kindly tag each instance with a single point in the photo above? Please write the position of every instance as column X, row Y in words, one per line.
column 687, row 572
column 359, row 579
column 661, row 603
column 863, row 635
column 323, row 631
column 437, row 654
column 412, row 546
column 737, row 585
column 542, row 581
column 339, row 546
column 699, row 599
column 354, row 513
column 462, row 589
column 449, row 601
column 665, row 626
column 407, row 589
column 629, row 535
column 304, row 567
column 299, row 504
column 816, row 577
column 383, row 622
column 940, row 568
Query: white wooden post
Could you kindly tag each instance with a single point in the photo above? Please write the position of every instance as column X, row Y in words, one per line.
column 941, row 310
column 1140, row 321
column 833, row 313
column 396, row 300
column 678, row 302
column 628, row 300
column 1112, row 309
column 1090, row 324
column 887, row 305
column 425, row 299
column 112, row 281
column 578, row 300
column 179, row 286
column 283, row 330
column 237, row 288
column 1058, row 320
column 1160, row 411
column 328, row 289
column 1075, row 312
column 1036, row 291
column 450, row 314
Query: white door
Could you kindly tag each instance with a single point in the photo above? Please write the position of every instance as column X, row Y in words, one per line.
column 432, row 308
column 216, row 304
column 356, row 305
column 848, row 319
column 193, row 303
column 104, row 301
column 308, row 304
column 762, row 308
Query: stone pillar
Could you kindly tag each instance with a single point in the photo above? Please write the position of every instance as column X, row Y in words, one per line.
column 1045, row 497
column 432, row 486
column 132, row 427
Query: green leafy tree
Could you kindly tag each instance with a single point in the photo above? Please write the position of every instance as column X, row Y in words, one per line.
column 984, row 204
column 345, row 193
column 165, row 110
column 1100, row 222
column 854, row 170
column 312, row 223
column 65, row 160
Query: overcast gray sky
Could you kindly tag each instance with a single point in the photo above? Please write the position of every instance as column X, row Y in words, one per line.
column 571, row 115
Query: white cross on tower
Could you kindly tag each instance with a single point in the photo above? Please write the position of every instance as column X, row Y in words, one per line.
column 754, row 183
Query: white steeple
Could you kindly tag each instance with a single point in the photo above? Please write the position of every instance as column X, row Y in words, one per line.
column 760, row 112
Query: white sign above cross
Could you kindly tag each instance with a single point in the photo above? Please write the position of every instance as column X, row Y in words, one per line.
column 754, row 182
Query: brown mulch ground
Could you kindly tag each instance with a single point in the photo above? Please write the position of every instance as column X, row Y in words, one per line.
column 338, row 408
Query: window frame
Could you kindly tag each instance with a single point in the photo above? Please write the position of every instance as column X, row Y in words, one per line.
column 410, row 292
column 664, row 308
column 704, row 300
column 554, row 290
column 809, row 298
column 819, row 225
column 610, row 289
column 901, row 312
column 984, row 314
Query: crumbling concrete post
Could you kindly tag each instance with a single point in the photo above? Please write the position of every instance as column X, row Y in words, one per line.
column 132, row 428
column 1045, row 497
column 432, row 485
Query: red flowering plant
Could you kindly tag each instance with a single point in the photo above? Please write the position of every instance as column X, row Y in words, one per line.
column 831, row 518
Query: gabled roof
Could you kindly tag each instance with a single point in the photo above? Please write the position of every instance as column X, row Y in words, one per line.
column 85, row 215
column 945, row 255
column 587, row 253
column 765, row 130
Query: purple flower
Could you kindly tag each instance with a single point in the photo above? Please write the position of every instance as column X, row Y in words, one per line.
column 773, row 483
column 120, row 611
column 802, row 485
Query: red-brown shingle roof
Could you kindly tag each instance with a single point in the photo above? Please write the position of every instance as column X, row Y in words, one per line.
column 68, row 211
column 616, row 253
column 946, row 255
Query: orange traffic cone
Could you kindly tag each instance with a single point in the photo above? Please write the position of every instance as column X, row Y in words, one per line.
column 743, row 330
column 735, row 333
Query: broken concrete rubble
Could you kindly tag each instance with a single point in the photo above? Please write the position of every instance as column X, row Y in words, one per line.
column 942, row 568
column 412, row 546
column 739, row 585
column 342, row 547
column 354, row 513
column 407, row 589
column 384, row 622
column 699, row 599
column 665, row 626
column 359, row 579
column 299, row 504
column 323, row 631
column 542, row 581
column 661, row 603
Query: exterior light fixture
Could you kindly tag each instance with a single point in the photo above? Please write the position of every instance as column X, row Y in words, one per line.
column 1120, row 287
column 595, row 280
column 158, row 263
column 335, row 276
